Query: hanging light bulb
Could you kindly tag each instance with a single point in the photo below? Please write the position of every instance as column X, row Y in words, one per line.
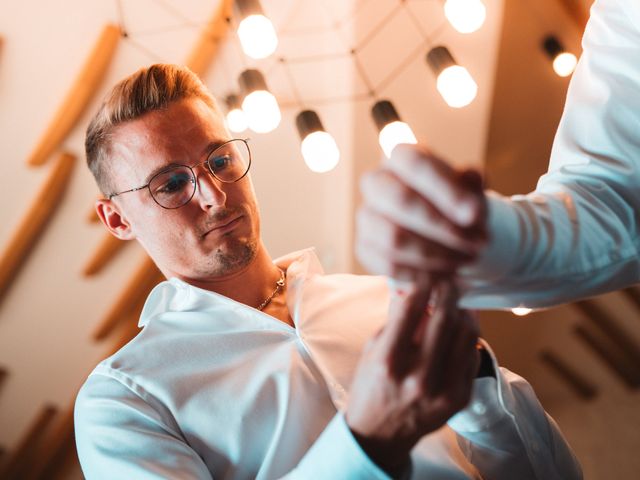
column 466, row 16
column 454, row 82
column 564, row 63
column 392, row 130
column 236, row 118
column 259, row 104
column 521, row 311
column 257, row 35
column 319, row 149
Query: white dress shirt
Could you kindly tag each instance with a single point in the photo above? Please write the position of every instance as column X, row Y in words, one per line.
column 212, row 388
column 578, row 233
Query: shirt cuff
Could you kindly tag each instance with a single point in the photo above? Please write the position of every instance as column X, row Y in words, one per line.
column 337, row 455
column 484, row 409
column 495, row 260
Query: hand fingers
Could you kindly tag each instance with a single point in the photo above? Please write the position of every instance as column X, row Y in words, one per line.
column 436, row 180
column 406, row 314
column 463, row 363
column 416, row 213
column 390, row 244
column 439, row 335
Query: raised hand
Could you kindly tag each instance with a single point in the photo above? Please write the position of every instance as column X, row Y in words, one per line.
column 414, row 375
column 419, row 215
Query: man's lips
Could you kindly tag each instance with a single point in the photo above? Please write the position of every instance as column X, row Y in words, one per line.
column 224, row 225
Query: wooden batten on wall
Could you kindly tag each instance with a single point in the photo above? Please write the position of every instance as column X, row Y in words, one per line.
column 20, row 458
column 33, row 223
column 206, row 48
column 108, row 248
column 78, row 96
column 134, row 292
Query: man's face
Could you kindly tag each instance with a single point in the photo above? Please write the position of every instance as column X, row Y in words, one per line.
column 217, row 232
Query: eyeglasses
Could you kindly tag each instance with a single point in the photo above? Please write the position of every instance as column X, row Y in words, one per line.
column 175, row 186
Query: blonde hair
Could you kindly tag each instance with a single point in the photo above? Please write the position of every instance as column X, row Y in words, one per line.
column 148, row 89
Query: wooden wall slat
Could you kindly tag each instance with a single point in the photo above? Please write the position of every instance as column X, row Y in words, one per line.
column 569, row 375
column 51, row 455
column 624, row 368
column 136, row 290
column 576, row 11
column 20, row 458
column 108, row 249
column 206, row 48
column 78, row 96
column 34, row 221
column 599, row 317
column 632, row 295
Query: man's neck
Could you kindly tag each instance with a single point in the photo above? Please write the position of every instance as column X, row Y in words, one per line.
column 250, row 285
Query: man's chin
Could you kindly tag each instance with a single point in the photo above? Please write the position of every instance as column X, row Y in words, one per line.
column 233, row 255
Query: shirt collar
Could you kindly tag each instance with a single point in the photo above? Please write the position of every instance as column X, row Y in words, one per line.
column 175, row 295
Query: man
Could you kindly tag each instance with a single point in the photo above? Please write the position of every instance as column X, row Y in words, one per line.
column 249, row 368
column 577, row 235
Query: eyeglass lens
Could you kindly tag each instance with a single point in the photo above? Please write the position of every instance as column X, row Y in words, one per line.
column 174, row 187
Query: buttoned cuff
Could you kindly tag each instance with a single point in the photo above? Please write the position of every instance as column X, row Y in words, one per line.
column 484, row 409
column 337, row 455
column 495, row 260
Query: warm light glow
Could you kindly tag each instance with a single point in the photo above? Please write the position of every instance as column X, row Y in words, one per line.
column 521, row 311
column 263, row 113
column 466, row 16
column 393, row 134
column 320, row 152
column 257, row 36
column 237, row 120
column 564, row 64
column 456, row 86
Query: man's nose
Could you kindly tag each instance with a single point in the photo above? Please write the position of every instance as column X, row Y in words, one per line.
column 209, row 192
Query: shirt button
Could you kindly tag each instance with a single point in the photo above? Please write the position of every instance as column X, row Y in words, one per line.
column 478, row 408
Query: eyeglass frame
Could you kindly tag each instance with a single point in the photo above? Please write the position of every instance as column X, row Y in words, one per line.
column 193, row 174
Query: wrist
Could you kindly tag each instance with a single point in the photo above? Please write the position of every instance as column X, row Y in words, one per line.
column 392, row 457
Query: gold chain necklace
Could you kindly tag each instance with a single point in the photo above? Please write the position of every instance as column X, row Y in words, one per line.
column 279, row 285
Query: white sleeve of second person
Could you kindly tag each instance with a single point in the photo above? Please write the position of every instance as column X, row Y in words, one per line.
column 578, row 233
column 506, row 434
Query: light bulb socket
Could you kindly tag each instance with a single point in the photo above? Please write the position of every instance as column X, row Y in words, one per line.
column 552, row 46
column 308, row 122
column 251, row 80
column 248, row 7
column 440, row 58
column 383, row 113
column 233, row 101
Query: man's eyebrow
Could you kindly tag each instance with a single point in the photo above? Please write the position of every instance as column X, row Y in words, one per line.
column 161, row 168
column 211, row 146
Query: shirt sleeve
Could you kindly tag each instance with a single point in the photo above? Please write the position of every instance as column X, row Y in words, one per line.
column 505, row 433
column 120, row 433
column 578, row 233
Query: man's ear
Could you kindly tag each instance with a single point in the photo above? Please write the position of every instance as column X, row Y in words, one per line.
column 114, row 219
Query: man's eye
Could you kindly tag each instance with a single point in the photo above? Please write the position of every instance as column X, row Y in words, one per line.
column 175, row 183
column 221, row 162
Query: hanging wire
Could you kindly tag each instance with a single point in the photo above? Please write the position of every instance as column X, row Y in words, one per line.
column 120, row 15
column 294, row 87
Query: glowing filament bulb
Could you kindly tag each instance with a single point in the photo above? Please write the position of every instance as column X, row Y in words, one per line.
column 456, row 86
column 393, row 131
column 257, row 36
column 236, row 119
column 393, row 134
column 319, row 149
column 564, row 64
column 454, row 82
column 259, row 105
column 466, row 16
